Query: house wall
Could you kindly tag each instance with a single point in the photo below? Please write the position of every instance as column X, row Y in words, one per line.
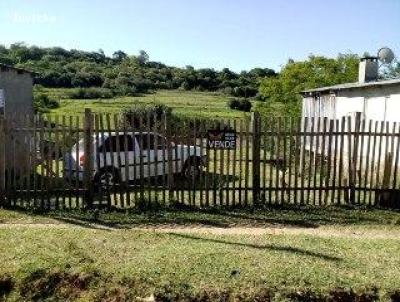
column 18, row 91
column 377, row 104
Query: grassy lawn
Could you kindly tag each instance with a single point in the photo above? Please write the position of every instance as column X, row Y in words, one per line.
column 193, row 104
column 124, row 262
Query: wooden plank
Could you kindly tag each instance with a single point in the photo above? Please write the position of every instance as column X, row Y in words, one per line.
column 372, row 185
column 264, row 134
column 360, row 174
column 119, row 186
column 306, row 122
column 2, row 162
column 297, row 156
column 397, row 152
column 148, row 155
column 88, row 163
column 335, row 160
column 77, row 164
column 171, row 158
column 341, row 157
column 247, row 164
column 365, row 176
column 272, row 159
column 202, row 188
column 207, row 171
column 311, row 162
column 379, row 160
column 322, row 164
column 64, row 151
column 241, row 140
column 284, row 161
column 256, row 149
column 316, row 157
column 291, row 158
column 57, row 157
column 330, row 162
column 164, row 160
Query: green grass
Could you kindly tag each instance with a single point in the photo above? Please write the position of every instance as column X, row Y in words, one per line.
column 192, row 104
column 125, row 262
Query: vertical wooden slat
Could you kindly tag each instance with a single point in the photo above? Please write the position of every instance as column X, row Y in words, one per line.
column 2, row 162
column 322, row 157
column 290, row 159
column 97, row 153
column 77, row 164
column 360, row 174
column 373, row 185
column 265, row 135
column 117, row 129
column 311, row 161
column 379, row 160
column 256, row 144
column 88, row 163
column 64, row 151
column 241, row 145
column 148, row 166
column 202, row 188
column 365, row 175
column 272, row 158
column 341, row 157
column 335, row 160
column 57, row 159
column 284, row 161
column 330, row 163
column 397, row 153
column 207, row 170
column 247, row 164
column 302, row 172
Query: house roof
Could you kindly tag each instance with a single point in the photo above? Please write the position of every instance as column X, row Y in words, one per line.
column 4, row 67
column 335, row 88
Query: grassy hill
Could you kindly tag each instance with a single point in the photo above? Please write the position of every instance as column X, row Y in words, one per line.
column 187, row 103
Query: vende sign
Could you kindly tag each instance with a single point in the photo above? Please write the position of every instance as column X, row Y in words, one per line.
column 221, row 139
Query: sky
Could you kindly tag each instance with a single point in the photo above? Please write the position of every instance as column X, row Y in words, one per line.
column 238, row 34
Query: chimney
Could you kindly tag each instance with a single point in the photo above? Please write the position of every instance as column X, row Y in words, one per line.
column 368, row 69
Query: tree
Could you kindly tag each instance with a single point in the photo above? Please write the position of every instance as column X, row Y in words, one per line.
column 143, row 57
column 119, row 55
column 317, row 71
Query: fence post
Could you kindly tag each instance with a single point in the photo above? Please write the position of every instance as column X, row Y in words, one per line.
column 256, row 125
column 354, row 157
column 2, row 161
column 88, row 162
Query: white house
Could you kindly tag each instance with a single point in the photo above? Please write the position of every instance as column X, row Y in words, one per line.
column 375, row 99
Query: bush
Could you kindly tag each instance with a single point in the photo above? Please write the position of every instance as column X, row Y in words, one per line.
column 137, row 116
column 240, row 104
column 91, row 93
column 42, row 103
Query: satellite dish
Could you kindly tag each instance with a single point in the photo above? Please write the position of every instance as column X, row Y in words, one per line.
column 385, row 55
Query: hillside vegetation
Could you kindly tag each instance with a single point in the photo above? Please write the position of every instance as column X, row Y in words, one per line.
column 94, row 75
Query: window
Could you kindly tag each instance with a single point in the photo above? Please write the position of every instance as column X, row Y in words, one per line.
column 150, row 141
column 110, row 144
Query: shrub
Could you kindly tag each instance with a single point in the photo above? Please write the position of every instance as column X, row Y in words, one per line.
column 42, row 103
column 137, row 116
column 91, row 93
column 240, row 104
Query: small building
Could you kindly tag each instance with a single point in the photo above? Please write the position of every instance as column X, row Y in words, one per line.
column 16, row 91
column 374, row 99
column 16, row 103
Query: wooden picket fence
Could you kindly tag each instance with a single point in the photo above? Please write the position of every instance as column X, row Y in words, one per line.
column 277, row 160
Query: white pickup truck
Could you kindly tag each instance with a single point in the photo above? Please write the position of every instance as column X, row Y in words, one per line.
column 145, row 153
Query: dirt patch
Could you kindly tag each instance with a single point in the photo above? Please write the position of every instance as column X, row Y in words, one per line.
column 323, row 231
